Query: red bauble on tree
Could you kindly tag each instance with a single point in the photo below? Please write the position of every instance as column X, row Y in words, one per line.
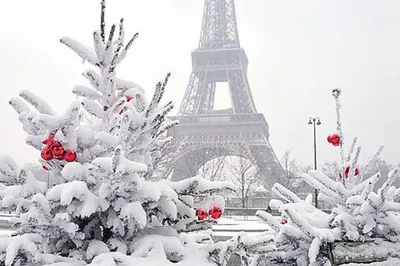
column 334, row 139
column 58, row 152
column 215, row 212
column 201, row 214
column 347, row 171
column 54, row 150
column 284, row 221
column 47, row 154
column 70, row 156
column 49, row 140
column 128, row 98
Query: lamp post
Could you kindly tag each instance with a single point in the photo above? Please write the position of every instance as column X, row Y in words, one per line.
column 315, row 122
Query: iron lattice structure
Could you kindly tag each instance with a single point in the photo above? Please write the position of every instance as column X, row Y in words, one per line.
column 239, row 130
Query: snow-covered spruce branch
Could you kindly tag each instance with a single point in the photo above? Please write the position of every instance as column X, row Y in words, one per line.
column 360, row 215
column 109, row 51
column 363, row 216
column 243, row 246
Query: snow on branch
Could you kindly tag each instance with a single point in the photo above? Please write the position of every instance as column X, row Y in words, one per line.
column 336, row 93
column 8, row 167
column 86, row 92
column 87, row 203
column 19, row 105
column 285, row 193
column 241, row 246
column 270, row 220
column 158, row 93
column 93, row 108
column 19, row 246
column 124, row 85
column 36, row 102
column 80, row 49
column 197, row 185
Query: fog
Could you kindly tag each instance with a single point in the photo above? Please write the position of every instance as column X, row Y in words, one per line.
column 298, row 52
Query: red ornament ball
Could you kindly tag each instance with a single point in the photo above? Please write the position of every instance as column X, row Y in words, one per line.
column 70, row 156
column 54, row 143
column 49, row 139
column 215, row 212
column 347, row 171
column 58, row 151
column 201, row 214
column 284, row 221
column 46, row 154
column 334, row 139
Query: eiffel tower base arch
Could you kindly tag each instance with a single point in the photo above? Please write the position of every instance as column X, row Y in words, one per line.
column 199, row 139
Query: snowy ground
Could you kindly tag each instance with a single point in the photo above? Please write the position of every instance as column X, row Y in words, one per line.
column 226, row 227
column 225, row 224
column 5, row 233
column 232, row 226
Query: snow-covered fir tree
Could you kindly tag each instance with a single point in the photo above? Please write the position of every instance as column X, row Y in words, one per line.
column 362, row 227
column 105, row 209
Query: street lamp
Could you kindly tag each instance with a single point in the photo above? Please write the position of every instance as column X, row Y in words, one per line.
column 315, row 122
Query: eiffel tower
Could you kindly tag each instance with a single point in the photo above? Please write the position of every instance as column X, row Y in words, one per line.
column 207, row 133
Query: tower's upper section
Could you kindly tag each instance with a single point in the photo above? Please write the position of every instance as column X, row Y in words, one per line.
column 219, row 29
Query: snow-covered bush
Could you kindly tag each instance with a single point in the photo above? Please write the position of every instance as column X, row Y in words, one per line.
column 362, row 227
column 105, row 210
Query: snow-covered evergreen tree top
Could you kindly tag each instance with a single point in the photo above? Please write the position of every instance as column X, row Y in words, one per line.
column 105, row 209
column 305, row 235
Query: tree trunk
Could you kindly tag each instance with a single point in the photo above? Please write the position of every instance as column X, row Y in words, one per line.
column 243, row 190
column 364, row 252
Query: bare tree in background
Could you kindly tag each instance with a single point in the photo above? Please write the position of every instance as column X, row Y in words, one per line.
column 213, row 169
column 293, row 170
column 382, row 167
column 245, row 175
column 330, row 169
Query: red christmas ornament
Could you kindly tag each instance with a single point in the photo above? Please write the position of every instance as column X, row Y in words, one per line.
column 70, row 156
column 347, row 171
column 58, row 151
column 128, row 99
column 55, row 143
column 334, row 139
column 201, row 214
column 50, row 142
column 50, row 138
column 215, row 212
column 46, row 154
column 284, row 221
column 53, row 149
column 61, row 157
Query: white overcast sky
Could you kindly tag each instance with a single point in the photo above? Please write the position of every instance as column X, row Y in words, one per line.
column 298, row 51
